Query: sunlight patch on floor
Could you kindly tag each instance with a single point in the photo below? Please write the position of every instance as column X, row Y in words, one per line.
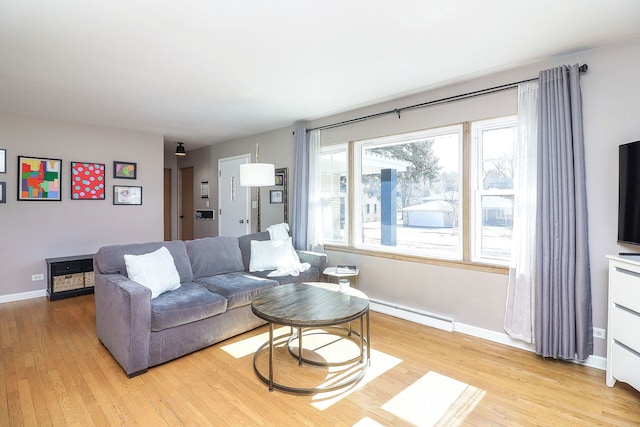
column 380, row 363
column 367, row 422
column 435, row 400
column 249, row 346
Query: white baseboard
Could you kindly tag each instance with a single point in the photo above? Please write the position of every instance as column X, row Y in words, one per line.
column 447, row 324
column 23, row 295
column 597, row 362
column 416, row 316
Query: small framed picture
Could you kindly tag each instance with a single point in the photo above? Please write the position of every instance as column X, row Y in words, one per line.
column 87, row 181
column 125, row 170
column 127, row 195
column 3, row 192
column 275, row 196
column 39, row 178
column 204, row 190
column 279, row 179
column 3, row 160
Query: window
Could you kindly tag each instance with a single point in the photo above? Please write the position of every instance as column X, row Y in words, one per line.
column 333, row 185
column 492, row 189
column 407, row 194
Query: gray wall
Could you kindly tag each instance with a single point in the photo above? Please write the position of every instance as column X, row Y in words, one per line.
column 31, row 231
column 276, row 147
column 611, row 106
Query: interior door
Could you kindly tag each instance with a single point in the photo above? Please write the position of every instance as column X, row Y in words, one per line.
column 187, row 214
column 167, row 204
column 233, row 200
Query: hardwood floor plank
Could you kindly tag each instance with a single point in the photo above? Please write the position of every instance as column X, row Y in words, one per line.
column 55, row 372
column 26, row 403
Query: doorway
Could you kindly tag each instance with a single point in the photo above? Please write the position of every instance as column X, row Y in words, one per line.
column 167, row 204
column 187, row 214
column 233, row 200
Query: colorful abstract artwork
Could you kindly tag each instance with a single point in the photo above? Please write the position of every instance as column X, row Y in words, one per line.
column 124, row 170
column 87, row 181
column 39, row 178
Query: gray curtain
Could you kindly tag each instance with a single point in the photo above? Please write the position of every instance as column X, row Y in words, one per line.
column 300, row 181
column 563, row 320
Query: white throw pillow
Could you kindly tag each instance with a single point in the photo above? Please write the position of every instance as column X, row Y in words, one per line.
column 155, row 270
column 272, row 254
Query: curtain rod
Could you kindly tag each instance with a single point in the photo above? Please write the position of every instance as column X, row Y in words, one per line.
column 583, row 68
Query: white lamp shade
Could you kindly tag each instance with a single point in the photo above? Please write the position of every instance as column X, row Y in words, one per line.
column 257, row 174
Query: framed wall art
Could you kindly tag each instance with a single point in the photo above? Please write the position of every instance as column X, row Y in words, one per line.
column 3, row 160
column 3, row 192
column 204, row 190
column 87, row 181
column 127, row 195
column 275, row 196
column 39, row 178
column 279, row 179
column 125, row 170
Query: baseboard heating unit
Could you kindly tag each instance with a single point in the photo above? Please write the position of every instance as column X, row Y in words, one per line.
column 411, row 314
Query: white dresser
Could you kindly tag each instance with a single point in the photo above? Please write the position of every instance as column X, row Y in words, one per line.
column 623, row 337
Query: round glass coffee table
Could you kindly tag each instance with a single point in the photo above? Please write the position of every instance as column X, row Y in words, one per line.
column 312, row 306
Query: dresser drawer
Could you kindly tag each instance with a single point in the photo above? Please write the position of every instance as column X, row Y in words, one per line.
column 627, row 365
column 627, row 325
column 625, row 289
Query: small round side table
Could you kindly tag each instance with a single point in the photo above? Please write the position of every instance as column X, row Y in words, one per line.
column 331, row 272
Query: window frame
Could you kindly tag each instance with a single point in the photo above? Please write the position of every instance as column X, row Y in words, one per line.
column 356, row 220
column 468, row 175
column 331, row 149
column 477, row 190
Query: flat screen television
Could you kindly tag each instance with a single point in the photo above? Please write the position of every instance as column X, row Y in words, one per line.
column 629, row 194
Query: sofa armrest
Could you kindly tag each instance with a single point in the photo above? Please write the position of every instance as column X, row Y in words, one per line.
column 316, row 259
column 123, row 320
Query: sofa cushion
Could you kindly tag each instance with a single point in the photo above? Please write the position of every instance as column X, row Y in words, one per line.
column 214, row 255
column 310, row 275
column 155, row 270
column 245, row 245
column 239, row 288
column 110, row 259
column 189, row 303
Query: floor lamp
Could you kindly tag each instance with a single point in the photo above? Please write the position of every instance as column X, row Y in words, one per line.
column 257, row 175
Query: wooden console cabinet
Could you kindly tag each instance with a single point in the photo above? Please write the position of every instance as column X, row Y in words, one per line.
column 623, row 338
column 69, row 276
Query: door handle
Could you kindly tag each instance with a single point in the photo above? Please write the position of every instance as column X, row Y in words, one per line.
column 242, row 221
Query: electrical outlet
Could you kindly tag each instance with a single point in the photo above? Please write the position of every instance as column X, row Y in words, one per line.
column 36, row 277
column 600, row 333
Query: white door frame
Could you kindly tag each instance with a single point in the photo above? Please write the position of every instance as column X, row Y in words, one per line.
column 240, row 191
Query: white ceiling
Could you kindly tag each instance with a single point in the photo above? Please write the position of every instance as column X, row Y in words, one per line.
column 205, row 71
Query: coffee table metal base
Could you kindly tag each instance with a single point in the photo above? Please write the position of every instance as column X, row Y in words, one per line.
column 364, row 357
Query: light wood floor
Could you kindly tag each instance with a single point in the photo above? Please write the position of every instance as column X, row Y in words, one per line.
column 53, row 371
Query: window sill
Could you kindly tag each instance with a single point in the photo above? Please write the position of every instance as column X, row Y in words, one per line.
column 467, row 265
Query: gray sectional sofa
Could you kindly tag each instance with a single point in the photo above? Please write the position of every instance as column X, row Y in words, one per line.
column 212, row 304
